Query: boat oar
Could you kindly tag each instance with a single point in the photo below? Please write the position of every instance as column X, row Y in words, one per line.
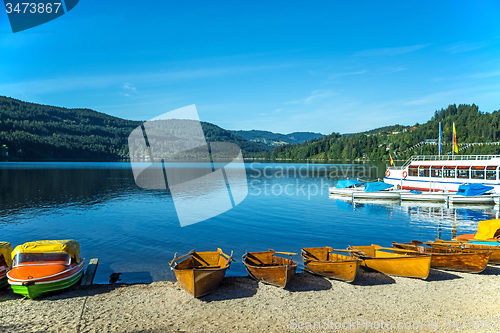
column 394, row 249
column 357, row 252
column 181, row 257
column 287, row 253
column 229, row 258
column 338, row 250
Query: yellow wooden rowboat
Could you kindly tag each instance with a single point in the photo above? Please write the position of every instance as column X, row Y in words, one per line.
column 448, row 258
column 465, row 244
column 325, row 262
column 394, row 262
column 200, row 273
column 265, row 266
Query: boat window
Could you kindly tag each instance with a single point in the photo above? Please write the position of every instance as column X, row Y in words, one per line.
column 41, row 258
column 423, row 171
column 413, row 171
column 491, row 172
column 449, row 172
column 477, row 172
column 463, row 172
column 436, row 171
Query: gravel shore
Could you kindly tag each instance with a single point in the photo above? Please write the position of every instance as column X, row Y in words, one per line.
column 446, row 301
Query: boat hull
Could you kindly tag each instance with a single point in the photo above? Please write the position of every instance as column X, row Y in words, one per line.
column 396, row 264
column 200, row 282
column 424, row 197
column 269, row 269
column 3, row 274
column 386, row 195
column 321, row 261
column 477, row 200
column 37, row 289
column 495, row 249
column 200, row 273
column 345, row 192
column 3, row 282
column 451, row 259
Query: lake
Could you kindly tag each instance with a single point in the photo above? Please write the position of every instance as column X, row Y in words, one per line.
column 136, row 231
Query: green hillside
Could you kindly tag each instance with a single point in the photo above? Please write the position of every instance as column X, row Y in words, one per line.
column 272, row 140
column 473, row 126
column 31, row 131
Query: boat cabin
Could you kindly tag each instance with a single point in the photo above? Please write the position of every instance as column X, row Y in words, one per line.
column 484, row 172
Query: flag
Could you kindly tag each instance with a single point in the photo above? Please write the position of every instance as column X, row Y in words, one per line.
column 440, row 144
column 390, row 159
column 455, row 146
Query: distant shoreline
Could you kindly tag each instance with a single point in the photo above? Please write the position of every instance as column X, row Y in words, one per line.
column 246, row 159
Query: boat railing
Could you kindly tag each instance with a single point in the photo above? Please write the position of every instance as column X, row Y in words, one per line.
column 446, row 158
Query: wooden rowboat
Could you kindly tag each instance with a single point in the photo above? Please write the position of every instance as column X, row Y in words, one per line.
column 472, row 246
column 393, row 262
column 200, row 273
column 265, row 266
column 5, row 262
column 44, row 266
column 325, row 262
column 447, row 258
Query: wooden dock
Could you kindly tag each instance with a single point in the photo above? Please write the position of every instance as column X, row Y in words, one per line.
column 88, row 277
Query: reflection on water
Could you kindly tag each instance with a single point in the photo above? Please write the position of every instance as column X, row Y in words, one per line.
column 136, row 231
column 427, row 215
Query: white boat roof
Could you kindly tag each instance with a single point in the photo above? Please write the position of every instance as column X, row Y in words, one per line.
column 472, row 160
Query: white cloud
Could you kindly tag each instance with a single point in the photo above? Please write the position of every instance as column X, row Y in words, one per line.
column 128, row 89
column 92, row 82
column 337, row 75
column 462, row 47
column 484, row 75
column 313, row 97
column 390, row 51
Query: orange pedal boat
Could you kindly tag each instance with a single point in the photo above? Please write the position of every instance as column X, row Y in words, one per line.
column 44, row 266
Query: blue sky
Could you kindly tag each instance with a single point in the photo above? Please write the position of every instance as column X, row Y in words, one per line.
column 283, row 66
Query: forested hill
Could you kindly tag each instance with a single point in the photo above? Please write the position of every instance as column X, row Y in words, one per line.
column 472, row 125
column 276, row 139
column 31, row 131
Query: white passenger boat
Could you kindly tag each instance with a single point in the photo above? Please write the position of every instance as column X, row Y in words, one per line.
column 445, row 172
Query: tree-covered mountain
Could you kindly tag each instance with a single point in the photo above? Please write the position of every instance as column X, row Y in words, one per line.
column 31, row 131
column 277, row 139
column 472, row 125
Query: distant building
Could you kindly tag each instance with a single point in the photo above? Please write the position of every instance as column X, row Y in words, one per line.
column 413, row 128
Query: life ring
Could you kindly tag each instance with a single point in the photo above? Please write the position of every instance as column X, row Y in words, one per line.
column 387, row 173
column 405, row 174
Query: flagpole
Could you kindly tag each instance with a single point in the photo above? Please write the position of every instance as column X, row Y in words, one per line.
column 440, row 134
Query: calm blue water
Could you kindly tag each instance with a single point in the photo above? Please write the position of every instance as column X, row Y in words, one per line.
column 136, row 231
